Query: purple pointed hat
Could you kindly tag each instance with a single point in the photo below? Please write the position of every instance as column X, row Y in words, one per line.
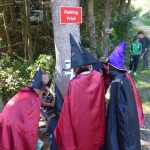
column 116, row 59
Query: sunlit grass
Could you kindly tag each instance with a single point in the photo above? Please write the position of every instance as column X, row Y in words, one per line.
column 146, row 107
column 143, row 84
column 143, row 5
column 145, row 21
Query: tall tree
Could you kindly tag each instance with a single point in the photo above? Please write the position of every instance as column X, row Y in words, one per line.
column 121, row 9
column 61, row 39
column 6, row 22
column 28, row 30
column 128, row 6
column 106, row 26
column 124, row 6
column 12, row 13
column 23, row 28
column 91, row 24
column 1, row 105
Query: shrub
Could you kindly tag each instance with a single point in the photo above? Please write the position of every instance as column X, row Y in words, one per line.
column 16, row 72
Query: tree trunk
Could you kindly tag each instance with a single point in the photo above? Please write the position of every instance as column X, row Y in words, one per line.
column 106, row 27
column 62, row 42
column 28, row 30
column 1, row 105
column 128, row 6
column 23, row 27
column 121, row 10
column 91, row 24
column 12, row 13
column 6, row 24
column 44, row 18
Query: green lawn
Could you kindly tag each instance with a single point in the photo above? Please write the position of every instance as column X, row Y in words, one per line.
column 142, row 81
column 145, row 21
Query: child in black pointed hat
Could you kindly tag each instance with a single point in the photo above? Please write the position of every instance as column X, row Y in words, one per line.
column 82, row 119
column 20, row 117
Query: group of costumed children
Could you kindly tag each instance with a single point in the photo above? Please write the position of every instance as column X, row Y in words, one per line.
column 102, row 109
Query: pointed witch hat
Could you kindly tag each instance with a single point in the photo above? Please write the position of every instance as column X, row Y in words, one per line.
column 79, row 56
column 91, row 59
column 117, row 58
column 37, row 82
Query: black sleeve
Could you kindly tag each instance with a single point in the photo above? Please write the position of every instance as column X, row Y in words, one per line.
column 122, row 117
column 146, row 42
column 58, row 100
column 111, row 142
column 127, row 118
column 122, row 132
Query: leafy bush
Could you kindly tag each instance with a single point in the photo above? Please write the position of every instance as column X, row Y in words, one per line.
column 16, row 72
column 123, row 26
column 2, row 42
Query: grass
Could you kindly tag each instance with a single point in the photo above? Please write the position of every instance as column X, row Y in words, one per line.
column 142, row 81
column 145, row 21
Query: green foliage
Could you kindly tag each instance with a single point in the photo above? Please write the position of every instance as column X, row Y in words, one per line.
column 146, row 15
column 16, row 72
column 122, row 24
column 123, row 28
column 98, row 12
column 2, row 42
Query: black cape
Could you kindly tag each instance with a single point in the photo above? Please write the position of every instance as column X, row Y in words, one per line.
column 122, row 132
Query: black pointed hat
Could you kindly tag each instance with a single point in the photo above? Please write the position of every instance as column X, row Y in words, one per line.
column 37, row 82
column 95, row 63
column 90, row 59
column 79, row 55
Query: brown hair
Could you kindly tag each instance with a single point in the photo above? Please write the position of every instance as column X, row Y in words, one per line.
column 140, row 32
column 79, row 70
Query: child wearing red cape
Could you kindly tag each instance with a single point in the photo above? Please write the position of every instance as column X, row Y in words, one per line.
column 20, row 117
column 82, row 120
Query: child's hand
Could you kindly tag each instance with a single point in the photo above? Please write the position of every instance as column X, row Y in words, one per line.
column 53, row 104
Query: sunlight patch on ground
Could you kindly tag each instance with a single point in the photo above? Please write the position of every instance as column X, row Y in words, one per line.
column 141, row 4
column 146, row 107
column 143, row 84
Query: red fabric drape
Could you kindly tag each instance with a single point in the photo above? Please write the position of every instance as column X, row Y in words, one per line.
column 138, row 101
column 82, row 121
column 19, row 121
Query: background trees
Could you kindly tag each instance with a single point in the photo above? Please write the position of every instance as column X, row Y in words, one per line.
column 31, row 28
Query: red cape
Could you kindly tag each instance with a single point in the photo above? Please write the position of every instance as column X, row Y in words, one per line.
column 105, row 76
column 19, row 121
column 138, row 101
column 82, row 121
